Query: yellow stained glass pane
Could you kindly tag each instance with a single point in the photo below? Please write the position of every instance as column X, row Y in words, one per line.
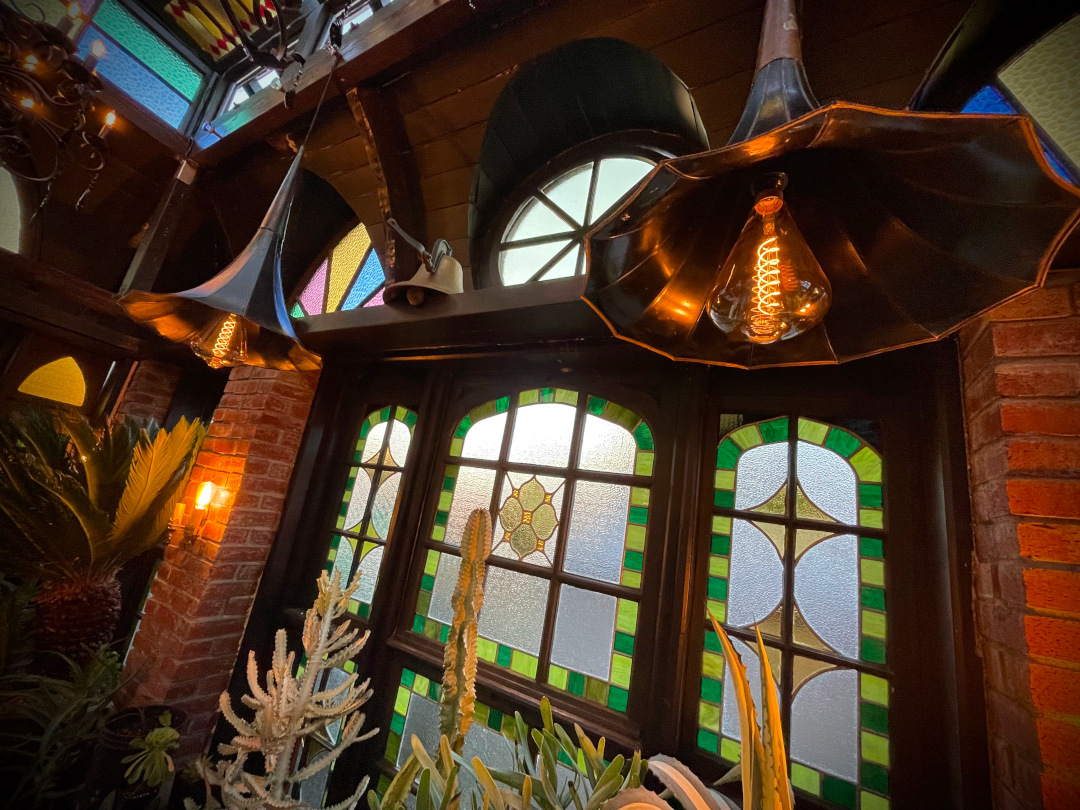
column 344, row 260
column 61, row 381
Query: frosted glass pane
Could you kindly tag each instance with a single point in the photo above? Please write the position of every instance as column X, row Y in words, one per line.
column 421, row 719
column 518, row 265
column 358, row 500
column 400, row 438
column 382, row 508
column 514, row 607
column 759, row 474
column 617, row 176
column 369, row 575
column 829, row 481
column 571, row 191
column 594, row 546
column 472, row 491
column 441, row 595
column 484, row 439
column 564, row 267
column 535, row 219
column 730, row 720
column 529, row 514
column 756, row 580
column 607, row 447
column 374, row 442
column 491, row 746
column 825, row 723
column 343, row 561
column 334, row 678
column 827, row 592
column 542, row 434
column 584, row 629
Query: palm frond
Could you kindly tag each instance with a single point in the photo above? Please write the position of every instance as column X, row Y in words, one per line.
column 104, row 461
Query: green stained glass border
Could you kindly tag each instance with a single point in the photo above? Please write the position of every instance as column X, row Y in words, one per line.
column 638, row 428
column 615, row 692
column 864, row 460
column 637, row 518
column 491, row 408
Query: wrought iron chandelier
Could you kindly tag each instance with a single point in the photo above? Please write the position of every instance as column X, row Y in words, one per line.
column 47, row 121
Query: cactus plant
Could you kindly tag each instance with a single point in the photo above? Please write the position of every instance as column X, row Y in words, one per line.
column 459, row 654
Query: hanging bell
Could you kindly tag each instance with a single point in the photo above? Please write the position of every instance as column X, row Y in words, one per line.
column 238, row 317
column 439, row 272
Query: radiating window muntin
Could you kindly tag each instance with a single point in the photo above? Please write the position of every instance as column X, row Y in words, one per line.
column 369, row 503
column 350, row 276
column 544, row 461
column 805, row 563
column 543, row 240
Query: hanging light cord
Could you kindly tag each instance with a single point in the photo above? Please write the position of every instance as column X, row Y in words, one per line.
column 322, row 97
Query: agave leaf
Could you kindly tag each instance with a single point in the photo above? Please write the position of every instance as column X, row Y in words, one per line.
column 423, row 793
column 492, row 795
column 636, row 799
column 686, row 787
column 776, row 789
column 749, row 735
column 401, row 785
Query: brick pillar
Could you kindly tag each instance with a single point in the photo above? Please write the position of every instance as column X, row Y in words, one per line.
column 187, row 643
column 149, row 391
column 1021, row 368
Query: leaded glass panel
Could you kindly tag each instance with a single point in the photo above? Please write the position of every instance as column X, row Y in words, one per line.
column 351, row 276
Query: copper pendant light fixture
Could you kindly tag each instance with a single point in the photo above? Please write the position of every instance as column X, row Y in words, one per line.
column 824, row 234
column 238, row 317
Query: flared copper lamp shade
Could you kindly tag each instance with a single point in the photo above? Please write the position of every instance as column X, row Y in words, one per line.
column 238, row 317
column 921, row 221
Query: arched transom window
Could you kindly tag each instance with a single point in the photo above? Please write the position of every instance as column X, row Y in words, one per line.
column 543, row 240
column 351, row 276
column 567, row 477
column 797, row 549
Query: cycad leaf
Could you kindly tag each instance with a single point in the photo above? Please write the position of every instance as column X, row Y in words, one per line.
column 687, row 788
column 747, row 719
column 775, row 786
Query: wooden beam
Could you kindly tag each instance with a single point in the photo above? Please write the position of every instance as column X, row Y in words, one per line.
column 390, row 36
column 383, row 132
column 155, row 244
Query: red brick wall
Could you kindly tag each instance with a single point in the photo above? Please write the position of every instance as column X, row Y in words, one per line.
column 1021, row 368
column 187, row 643
column 149, row 391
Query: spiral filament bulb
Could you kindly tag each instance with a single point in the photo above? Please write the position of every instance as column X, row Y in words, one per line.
column 225, row 336
column 765, row 303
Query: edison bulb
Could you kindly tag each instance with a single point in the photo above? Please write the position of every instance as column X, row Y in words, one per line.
column 770, row 287
column 223, row 341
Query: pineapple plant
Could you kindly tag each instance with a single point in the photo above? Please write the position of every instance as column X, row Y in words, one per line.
column 75, row 506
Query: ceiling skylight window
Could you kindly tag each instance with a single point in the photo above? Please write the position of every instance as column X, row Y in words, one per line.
column 544, row 238
column 249, row 87
column 355, row 17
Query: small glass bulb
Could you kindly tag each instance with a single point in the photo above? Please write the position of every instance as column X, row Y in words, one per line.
column 770, row 287
column 223, row 341
column 204, row 495
column 110, row 118
column 97, row 48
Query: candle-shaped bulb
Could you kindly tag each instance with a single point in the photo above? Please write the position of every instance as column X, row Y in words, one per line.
column 97, row 50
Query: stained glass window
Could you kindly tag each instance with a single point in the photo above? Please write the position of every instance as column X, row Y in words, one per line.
column 61, row 381
column 544, row 238
column 140, row 63
column 797, row 547
column 567, row 478
column 351, row 276
column 369, row 503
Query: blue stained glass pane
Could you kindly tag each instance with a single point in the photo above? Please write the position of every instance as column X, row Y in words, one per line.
column 989, row 100
column 371, row 275
column 145, row 46
column 135, row 80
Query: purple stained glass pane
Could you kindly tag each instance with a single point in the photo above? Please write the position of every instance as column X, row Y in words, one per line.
column 134, row 79
column 311, row 299
column 376, row 300
column 367, row 281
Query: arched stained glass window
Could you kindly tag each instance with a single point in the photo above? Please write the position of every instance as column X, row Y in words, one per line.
column 61, row 381
column 351, row 276
column 369, row 504
column 797, row 548
column 543, row 240
column 567, row 478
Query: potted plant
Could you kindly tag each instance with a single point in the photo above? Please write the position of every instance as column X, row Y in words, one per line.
column 75, row 506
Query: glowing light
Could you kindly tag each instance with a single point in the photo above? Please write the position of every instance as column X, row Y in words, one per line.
column 204, row 495
column 30, row 62
column 27, row 103
column 110, row 118
column 225, row 336
column 97, row 48
column 74, row 11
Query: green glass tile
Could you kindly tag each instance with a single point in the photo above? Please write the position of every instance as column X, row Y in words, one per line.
column 502, row 404
column 635, row 537
column 446, row 498
column 423, row 602
column 712, row 690
column 709, row 716
column 529, row 397
column 747, row 436
column 718, row 566
column 397, row 723
column 724, row 498
column 633, row 560
column 868, row 801
column 448, row 484
column 643, row 436
column 595, row 405
column 775, row 430
column 418, row 623
column 564, row 759
column 721, row 544
column 712, row 665
column 296, row 312
column 480, row 713
column 547, row 394
column 444, row 632
column 643, row 465
column 837, row 790
column 871, row 649
column 638, row 515
column 393, row 743
column 727, row 455
column 867, row 464
column 874, row 748
column 624, row 643
column 872, row 597
column 724, row 479
column 631, row 579
column 524, row 664
column 384, row 414
column 495, row 718
column 873, row 624
column 433, row 690
column 431, row 564
column 463, row 427
column 432, row 628
column 874, row 777
column 712, row 641
column 842, row 442
column 410, row 418
column 626, row 616
column 566, row 397
column 438, row 533
column 639, row 496
column 620, row 670
column 618, row 699
column 872, row 572
column 811, row 431
column 871, row 687
column 427, row 582
column 730, row 750
column 596, row 690
column 717, row 609
column 576, row 683
column 365, row 610
column 871, row 518
column 805, row 779
column 407, row 677
column 504, row 656
column 441, row 518
column 870, row 495
column 401, row 701
column 718, row 588
column 486, row 649
column 871, row 547
column 557, row 677
column 874, row 717
column 149, row 49
column 707, row 740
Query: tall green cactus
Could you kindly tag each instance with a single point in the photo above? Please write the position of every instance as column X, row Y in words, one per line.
column 459, row 656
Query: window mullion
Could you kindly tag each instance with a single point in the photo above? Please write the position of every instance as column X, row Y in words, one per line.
column 787, row 656
column 554, row 260
column 592, row 193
